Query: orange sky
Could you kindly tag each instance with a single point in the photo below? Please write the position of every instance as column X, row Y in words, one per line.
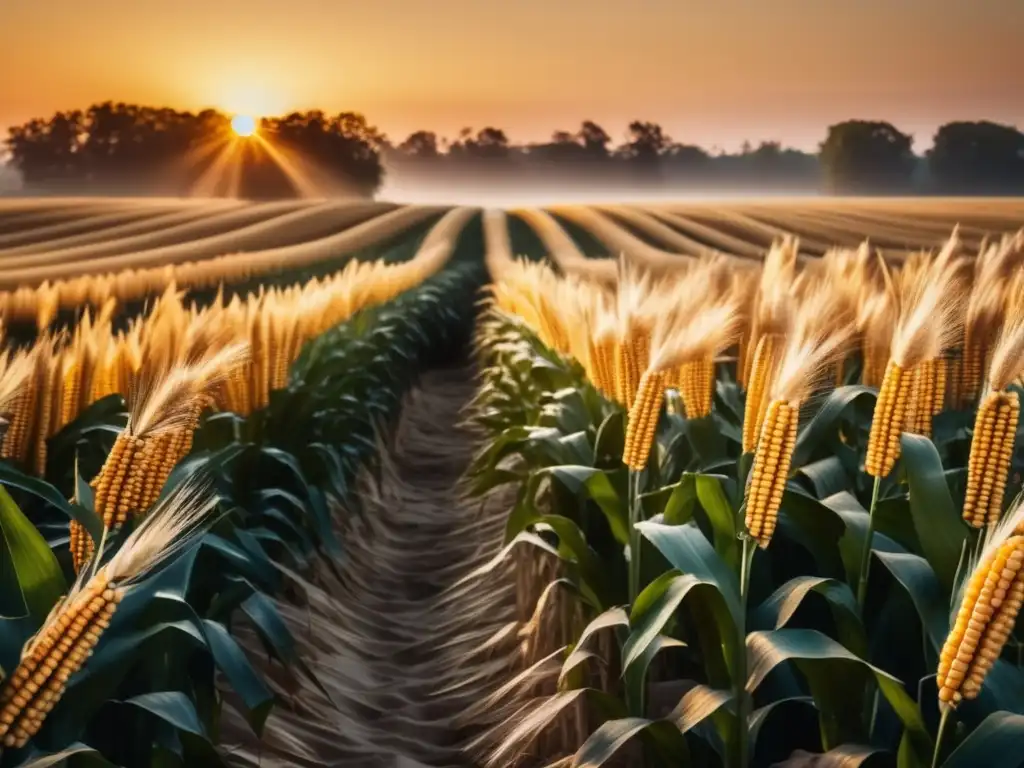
column 711, row 72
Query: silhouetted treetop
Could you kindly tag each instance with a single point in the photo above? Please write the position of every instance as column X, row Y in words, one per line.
column 861, row 156
column 128, row 148
column 965, row 156
column 131, row 148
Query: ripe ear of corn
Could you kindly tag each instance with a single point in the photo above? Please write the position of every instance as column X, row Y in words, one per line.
column 972, row 367
column 763, row 364
column 770, row 469
column 643, row 420
column 988, row 609
column 995, row 430
column 696, row 385
column 892, row 408
column 37, row 684
column 874, row 362
column 920, row 419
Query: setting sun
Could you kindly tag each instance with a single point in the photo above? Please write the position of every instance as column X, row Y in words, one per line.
column 243, row 125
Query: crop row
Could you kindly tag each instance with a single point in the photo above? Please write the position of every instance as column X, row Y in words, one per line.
column 774, row 501
column 246, row 427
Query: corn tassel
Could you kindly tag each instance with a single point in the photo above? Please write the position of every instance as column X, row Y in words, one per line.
column 643, row 420
column 763, row 364
column 892, row 408
column 995, row 429
column 37, row 684
column 988, row 610
column 770, row 470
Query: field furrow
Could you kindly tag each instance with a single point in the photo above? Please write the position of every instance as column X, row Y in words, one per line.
column 307, row 230
column 394, row 637
column 104, row 226
column 617, row 238
column 708, row 237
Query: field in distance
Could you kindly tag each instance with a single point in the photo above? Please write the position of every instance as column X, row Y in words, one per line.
column 48, row 240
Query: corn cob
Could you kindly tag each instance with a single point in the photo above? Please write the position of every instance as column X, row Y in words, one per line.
column 875, row 358
column 889, row 420
column 920, row 420
column 696, row 385
column 75, row 625
column 52, row 657
column 643, row 420
column 770, row 470
column 22, row 419
column 764, row 361
column 988, row 609
column 941, row 376
column 995, row 429
column 954, row 375
column 70, row 393
column 972, row 368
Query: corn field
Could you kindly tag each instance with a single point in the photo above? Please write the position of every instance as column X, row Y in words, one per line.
column 367, row 484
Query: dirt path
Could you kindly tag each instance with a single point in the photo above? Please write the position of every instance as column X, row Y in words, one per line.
column 401, row 652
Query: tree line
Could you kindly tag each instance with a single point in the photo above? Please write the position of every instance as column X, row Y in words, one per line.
column 128, row 148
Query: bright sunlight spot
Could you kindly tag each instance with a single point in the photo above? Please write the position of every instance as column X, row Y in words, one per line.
column 243, row 125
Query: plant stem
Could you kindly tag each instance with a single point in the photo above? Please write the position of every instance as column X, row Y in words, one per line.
column 636, row 695
column 938, row 737
column 865, row 557
column 634, row 536
column 740, row 675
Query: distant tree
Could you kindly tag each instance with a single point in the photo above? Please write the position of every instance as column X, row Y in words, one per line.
column 564, row 146
column 646, row 142
column 594, row 138
column 421, row 144
column 860, row 156
column 686, row 155
column 46, row 152
column 981, row 157
column 491, row 143
column 141, row 149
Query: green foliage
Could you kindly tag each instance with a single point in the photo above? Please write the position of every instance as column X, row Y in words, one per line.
column 797, row 637
column 281, row 475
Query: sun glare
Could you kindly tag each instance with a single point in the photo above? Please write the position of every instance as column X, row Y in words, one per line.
column 243, row 125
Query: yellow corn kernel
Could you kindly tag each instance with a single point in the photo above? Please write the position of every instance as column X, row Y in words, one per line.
column 70, row 393
column 920, row 421
column 80, row 544
column 764, row 362
column 972, row 367
column 22, row 421
column 48, row 662
column 628, row 352
column 988, row 610
column 742, row 358
column 643, row 420
column 875, row 357
column 601, row 355
column 891, row 411
column 768, row 474
column 697, row 387
column 941, row 375
column 954, row 375
column 995, row 430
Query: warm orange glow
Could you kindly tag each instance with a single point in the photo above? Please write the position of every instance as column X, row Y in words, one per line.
column 243, row 125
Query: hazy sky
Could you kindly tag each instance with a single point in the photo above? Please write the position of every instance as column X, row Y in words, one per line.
column 711, row 72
